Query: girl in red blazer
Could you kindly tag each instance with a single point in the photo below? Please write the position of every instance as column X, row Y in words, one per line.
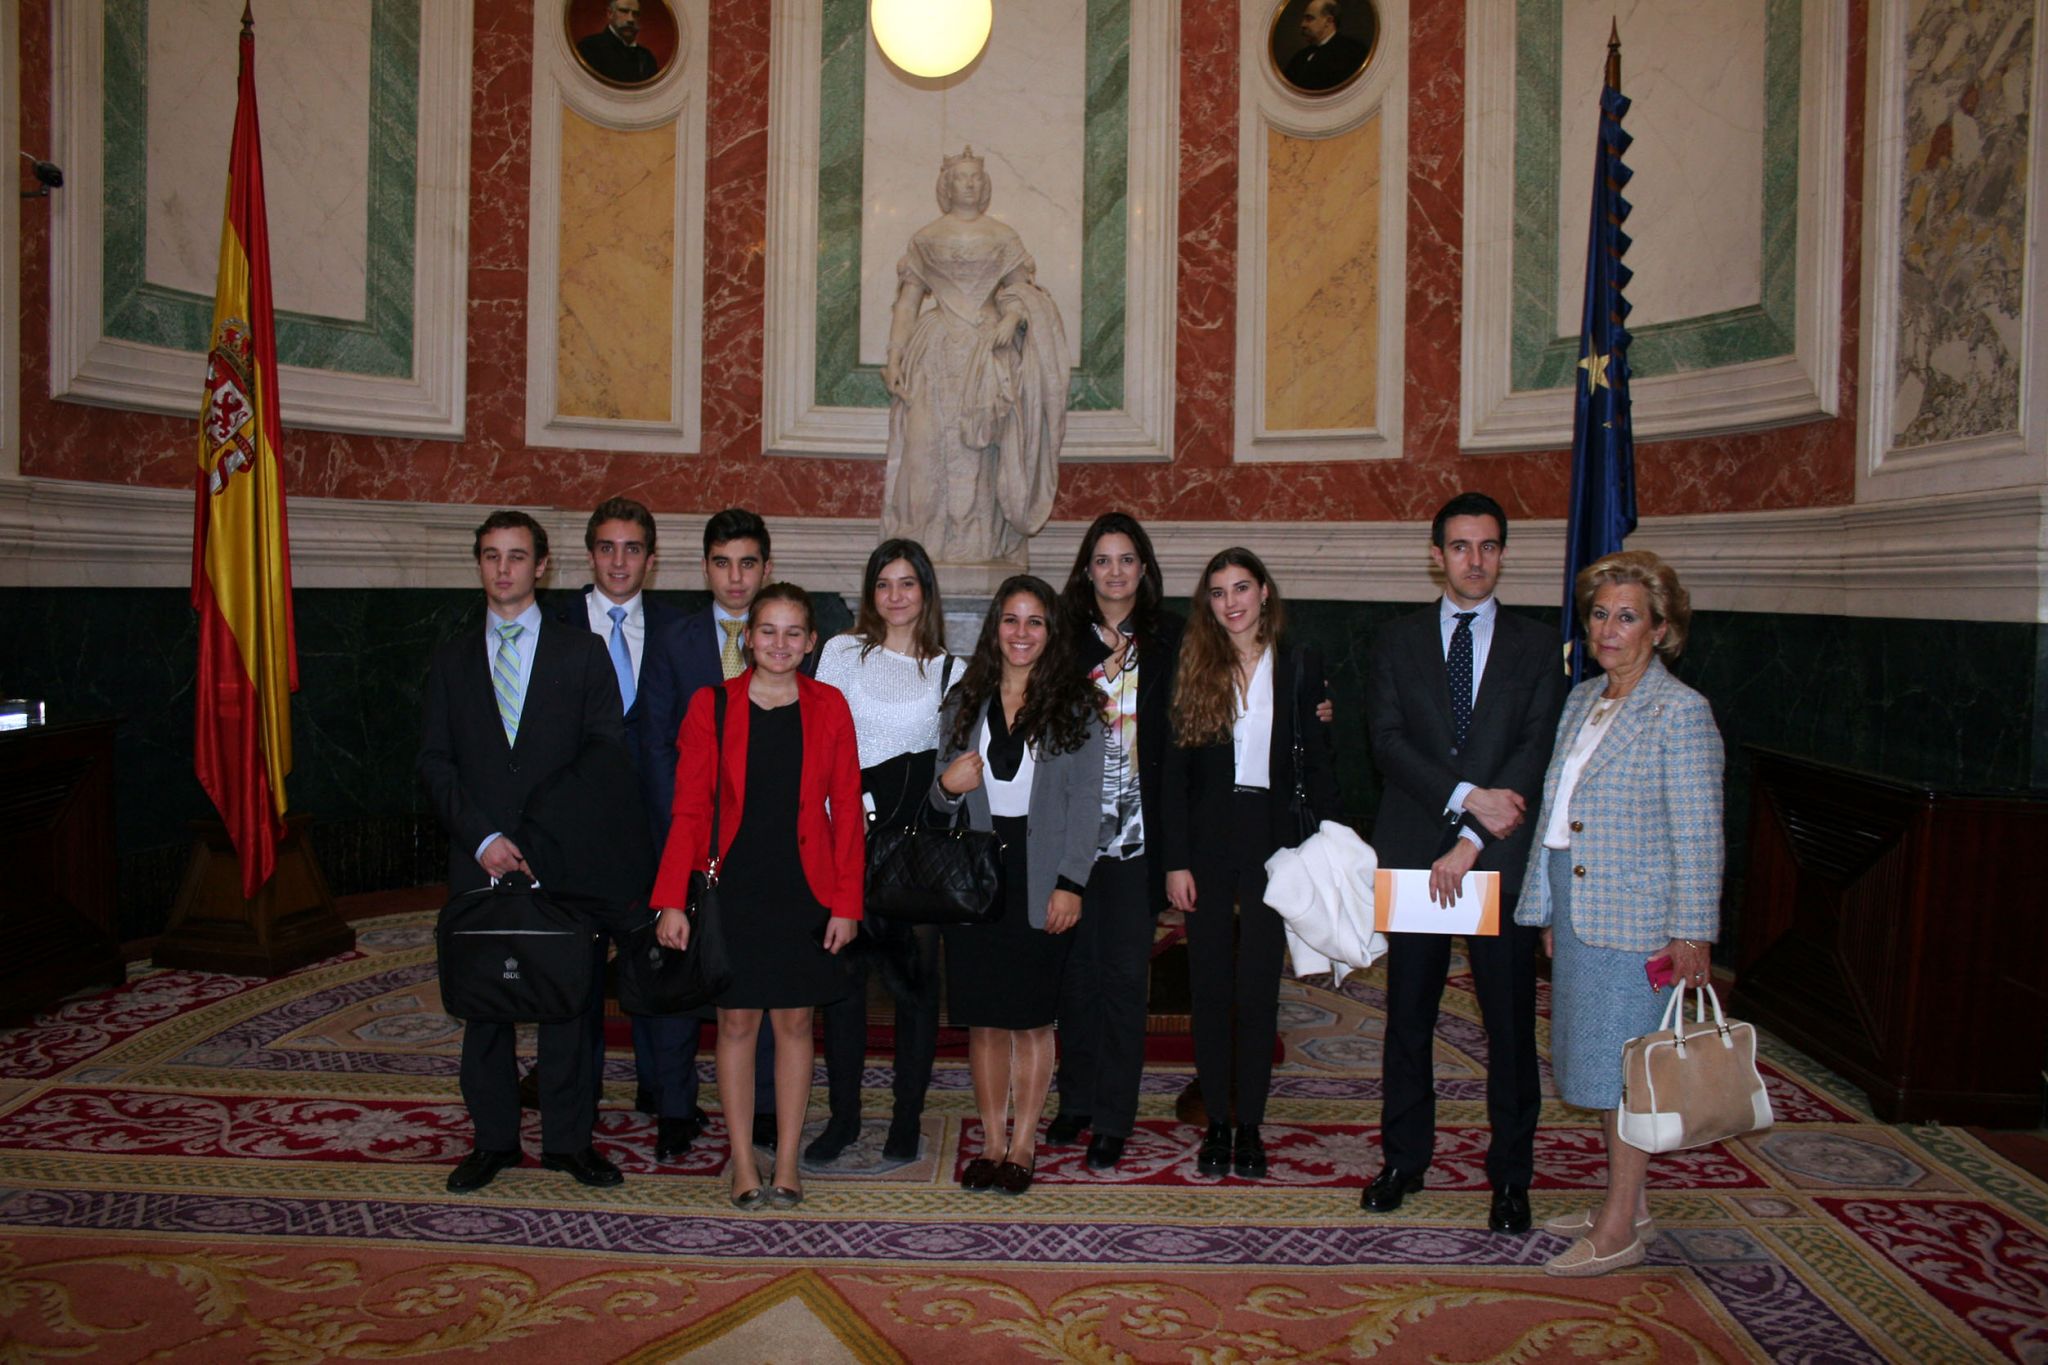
column 792, row 838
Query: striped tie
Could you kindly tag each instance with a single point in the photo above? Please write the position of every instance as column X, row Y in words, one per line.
column 505, row 678
column 730, row 661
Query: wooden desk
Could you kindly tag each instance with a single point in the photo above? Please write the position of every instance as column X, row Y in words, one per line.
column 56, row 863
column 1896, row 932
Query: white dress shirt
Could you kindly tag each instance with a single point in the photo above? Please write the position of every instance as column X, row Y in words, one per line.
column 1482, row 644
column 524, row 646
column 599, row 608
column 1251, row 733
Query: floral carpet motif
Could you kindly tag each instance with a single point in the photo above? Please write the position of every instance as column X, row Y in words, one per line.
column 200, row 1167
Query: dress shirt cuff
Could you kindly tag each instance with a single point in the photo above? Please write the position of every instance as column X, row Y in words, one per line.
column 1456, row 804
column 489, row 839
column 1467, row 832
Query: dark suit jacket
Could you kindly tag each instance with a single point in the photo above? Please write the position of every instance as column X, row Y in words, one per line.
column 479, row 783
column 611, row 58
column 662, row 622
column 1198, row 782
column 680, row 656
column 1158, row 655
column 1408, row 715
column 1327, row 66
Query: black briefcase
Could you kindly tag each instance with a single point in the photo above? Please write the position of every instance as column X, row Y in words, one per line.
column 510, row 955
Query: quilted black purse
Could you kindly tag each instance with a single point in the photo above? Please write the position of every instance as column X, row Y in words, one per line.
column 921, row 874
column 655, row 979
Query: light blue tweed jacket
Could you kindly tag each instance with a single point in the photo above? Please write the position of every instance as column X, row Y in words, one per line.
column 1646, row 820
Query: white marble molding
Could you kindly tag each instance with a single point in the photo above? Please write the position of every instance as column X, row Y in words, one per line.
column 1979, row 556
column 89, row 367
column 1493, row 416
column 675, row 99
column 1994, row 460
column 1265, row 102
column 793, row 422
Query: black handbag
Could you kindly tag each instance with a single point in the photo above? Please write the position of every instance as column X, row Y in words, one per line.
column 509, row 955
column 656, row 979
column 921, row 874
column 1299, row 808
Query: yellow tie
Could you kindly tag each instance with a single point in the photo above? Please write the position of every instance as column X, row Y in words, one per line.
column 729, row 658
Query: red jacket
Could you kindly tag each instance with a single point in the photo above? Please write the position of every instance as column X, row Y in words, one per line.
column 832, row 847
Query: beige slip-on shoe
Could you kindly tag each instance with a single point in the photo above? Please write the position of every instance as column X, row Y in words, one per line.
column 1580, row 1261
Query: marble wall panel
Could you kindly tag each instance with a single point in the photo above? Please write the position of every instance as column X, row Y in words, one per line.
column 316, row 144
column 1322, row 279
column 614, row 333
column 1963, row 220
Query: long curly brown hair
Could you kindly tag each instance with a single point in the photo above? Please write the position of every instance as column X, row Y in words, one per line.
column 1205, row 684
column 1059, row 702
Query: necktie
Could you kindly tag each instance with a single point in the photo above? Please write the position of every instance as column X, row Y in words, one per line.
column 729, row 658
column 1458, row 664
column 622, row 658
column 505, row 678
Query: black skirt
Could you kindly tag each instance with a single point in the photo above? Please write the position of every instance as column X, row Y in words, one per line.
column 1005, row 974
column 773, row 924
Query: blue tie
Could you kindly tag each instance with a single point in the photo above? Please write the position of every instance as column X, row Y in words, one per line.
column 622, row 658
column 1458, row 665
column 505, row 679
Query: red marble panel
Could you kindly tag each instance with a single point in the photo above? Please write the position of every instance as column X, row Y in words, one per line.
column 1806, row 465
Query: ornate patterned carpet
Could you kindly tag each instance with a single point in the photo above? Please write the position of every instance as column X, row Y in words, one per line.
column 215, row 1168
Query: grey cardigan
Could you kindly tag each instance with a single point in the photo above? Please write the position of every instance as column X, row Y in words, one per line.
column 1065, row 822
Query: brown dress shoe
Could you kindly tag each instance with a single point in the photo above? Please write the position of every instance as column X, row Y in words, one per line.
column 1012, row 1178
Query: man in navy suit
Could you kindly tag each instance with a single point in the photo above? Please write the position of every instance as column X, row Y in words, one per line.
column 1461, row 701
column 508, row 707
column 699, row 650
column 620, row 539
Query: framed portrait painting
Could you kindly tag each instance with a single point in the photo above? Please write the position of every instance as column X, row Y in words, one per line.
column 623, row 43
column 1319, row 47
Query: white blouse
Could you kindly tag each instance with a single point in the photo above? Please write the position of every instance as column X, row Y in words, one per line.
column 1557, row 832
column 1251, row 733
column 895, row 704
column 1012, row 797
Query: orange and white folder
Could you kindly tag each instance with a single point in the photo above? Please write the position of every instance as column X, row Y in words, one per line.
column 1401, row 904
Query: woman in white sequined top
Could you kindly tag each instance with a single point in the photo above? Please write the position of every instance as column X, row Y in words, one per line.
column 894, row 669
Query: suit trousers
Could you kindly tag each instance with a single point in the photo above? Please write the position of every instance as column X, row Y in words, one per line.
column 917, row 1033
column 1102, row 997
column 1504, row 978
column 490, row 1085
column 1234, row 965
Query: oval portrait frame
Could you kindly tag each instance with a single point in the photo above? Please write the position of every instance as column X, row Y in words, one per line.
column 1358, row 27
column 660, row 33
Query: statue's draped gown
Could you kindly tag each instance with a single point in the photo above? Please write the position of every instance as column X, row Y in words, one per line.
column 974, row 449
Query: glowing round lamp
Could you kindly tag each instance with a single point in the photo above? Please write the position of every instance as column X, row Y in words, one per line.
column 931, row 37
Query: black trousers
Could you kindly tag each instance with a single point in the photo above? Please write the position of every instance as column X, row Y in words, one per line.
column 1102, row 997
column 917, row 1033
column 1234, row 965
column 1504, row 977
column 490, row 1085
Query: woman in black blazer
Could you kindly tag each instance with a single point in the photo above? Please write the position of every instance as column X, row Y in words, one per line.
column 1127, row 647
column 1239, row 704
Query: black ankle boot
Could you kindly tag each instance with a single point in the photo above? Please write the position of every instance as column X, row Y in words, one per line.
column 1214, row 1158
column 904, row 1133
column 1249, row 1158
column 838, row 1135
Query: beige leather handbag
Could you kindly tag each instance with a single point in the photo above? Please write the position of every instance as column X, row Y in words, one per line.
column 1691, row 1084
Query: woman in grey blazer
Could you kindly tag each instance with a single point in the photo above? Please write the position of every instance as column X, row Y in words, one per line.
column 1021, row 740
column 1625, row 872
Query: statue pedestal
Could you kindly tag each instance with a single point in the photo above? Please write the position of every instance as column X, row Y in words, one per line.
column 291, row 922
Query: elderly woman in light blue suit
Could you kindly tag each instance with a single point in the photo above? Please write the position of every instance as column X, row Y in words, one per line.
column 1627, row 870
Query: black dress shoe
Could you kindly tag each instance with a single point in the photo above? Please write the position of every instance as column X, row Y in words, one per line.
column 1510, row 1212
column 1065, row 1127
column 643, row 1100
column 1385, row 1194
column 1012, row 1178
column 1104, row 1151
column 586, row 1166
column 764, row 1131
column 479, row 1169
column 837, row 1136
column 905, row 1132
column 672, row 1137
column 1214, row 1158
column 1248, row 1155
column 979, row 1174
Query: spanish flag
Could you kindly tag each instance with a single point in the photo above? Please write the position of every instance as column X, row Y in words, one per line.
column 241, row 563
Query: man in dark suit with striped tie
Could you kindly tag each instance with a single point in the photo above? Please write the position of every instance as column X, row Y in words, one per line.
column 506, row 709
column 1461, row 702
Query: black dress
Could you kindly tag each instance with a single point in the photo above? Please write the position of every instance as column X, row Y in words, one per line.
column 1005, row 974
column 772, row 921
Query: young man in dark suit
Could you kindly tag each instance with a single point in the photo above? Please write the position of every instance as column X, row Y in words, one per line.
column 696, row 650
column 506, row 709
column 1461, row 703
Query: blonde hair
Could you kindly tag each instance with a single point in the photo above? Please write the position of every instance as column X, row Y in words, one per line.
column 1670, row 604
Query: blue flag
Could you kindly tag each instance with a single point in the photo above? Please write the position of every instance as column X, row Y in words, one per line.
column 1603, row 505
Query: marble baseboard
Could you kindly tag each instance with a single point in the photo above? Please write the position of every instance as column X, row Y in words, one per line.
column 1969, row 556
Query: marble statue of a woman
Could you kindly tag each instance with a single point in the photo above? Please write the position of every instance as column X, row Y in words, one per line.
column 977, row 384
